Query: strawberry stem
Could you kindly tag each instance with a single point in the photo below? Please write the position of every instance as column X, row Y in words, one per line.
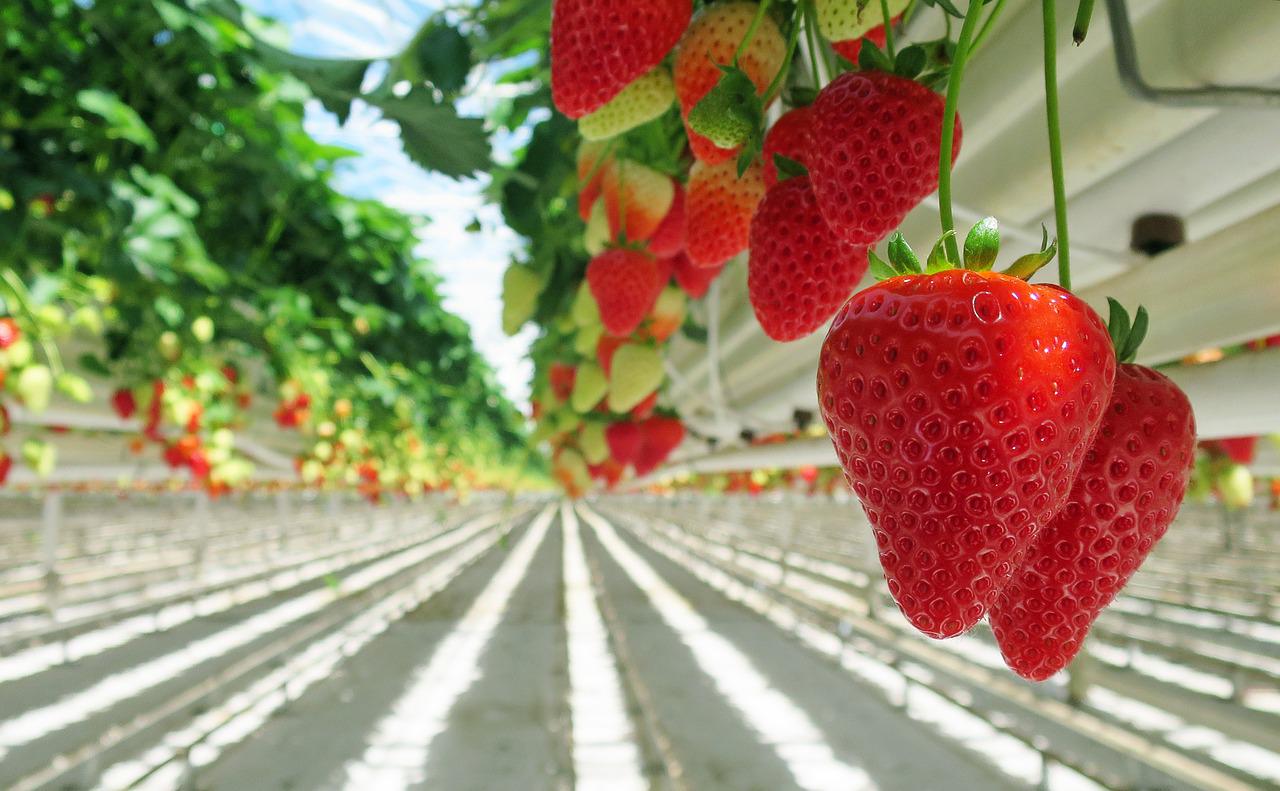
column 792, row 39
column 888, row 29
column 814, row 43
column 751, row 31
column 987, row 26
column 949, row 126
column 1055, row 140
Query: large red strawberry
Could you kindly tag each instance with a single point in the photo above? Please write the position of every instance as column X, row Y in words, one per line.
column 961, row 405
column 1128, row 492
column 659, row 437
column 625, row 284
column 800, row 272
column 668, row 239
column 624, row 439
column 788, row 137
column 875, row 152
column 710, row 42
column 599, row 46
column 718, row 211
column 636, row 198
column 695, row 280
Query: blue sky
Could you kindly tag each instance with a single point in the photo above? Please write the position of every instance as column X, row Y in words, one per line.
column 470, row 264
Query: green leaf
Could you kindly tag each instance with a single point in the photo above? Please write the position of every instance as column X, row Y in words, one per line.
column 335, row 82
column 92, row 364
column 788, row 168
column 872, row 58
column 982, row 245
column 902, row 257
column 938, row 261
column 910, row 62
column 435, row 136
column 880, row 269
column 123, row 122
column 948, row 6
column 1137, row 334
column 692, row 330
column 441, row 55
column 1029, row 264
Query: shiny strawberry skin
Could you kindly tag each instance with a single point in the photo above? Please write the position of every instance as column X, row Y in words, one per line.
column 1130, row 486
column 598, row 47
column 625, row 284
column 718, row 211
column 961, row 405
column 800, row 272
column 875, row 152
column 788, row 137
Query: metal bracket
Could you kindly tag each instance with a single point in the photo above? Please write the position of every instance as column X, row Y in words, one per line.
column 1203, row 96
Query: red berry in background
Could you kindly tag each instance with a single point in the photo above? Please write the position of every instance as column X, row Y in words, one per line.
column 800, row 272
column 6, row 464
column 659, row 437
column 561, row 377
column 1241, row 450
column 711, row 41
column 788, row 137
column 124, row 404
column 598, row 47
column 625, row 284
column 9, row 332
column 608, row 472
column 1130, row 486
column 644, row 409
column 5, row 423
column 605, row 347
column 850, row 49
column 718, row 210
column 695, row 280
column 961, row 405
column 624, row 439
column 875, row 152
column 231, row 374
column 668, row 239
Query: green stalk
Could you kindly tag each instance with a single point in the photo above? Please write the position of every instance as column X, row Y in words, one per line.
column 1055, row 141
column 987, row 26
column 949, row 127
column 888, row 29
column 811, row 38
column 793, row 39
column 751, row 31
column 1083, row 14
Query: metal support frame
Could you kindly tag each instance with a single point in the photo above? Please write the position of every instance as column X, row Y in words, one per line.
column 1131, row 78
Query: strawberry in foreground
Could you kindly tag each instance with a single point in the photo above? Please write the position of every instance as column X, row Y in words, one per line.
column 598, row 47
column 710, row 42
column 961, row 404
column 1132, row 481
column 875, row 140
column 625, row 284
column 800, row 272
column 719, row 207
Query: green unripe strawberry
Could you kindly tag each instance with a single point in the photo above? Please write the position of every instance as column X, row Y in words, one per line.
column 34, row 385
column 646, row 98
column 40, row 456
column 595, row 448
column 584, row 310
column 87, row 319
column 731, row 113
column 586, row 339
column 597, row 234
column 169, row 346
column 635, row 372
column 520, row 289
column 589, row 386
column 1235, row 484
column 52, row 318
column 202, row 329
column 75, row 388
column 17, row 355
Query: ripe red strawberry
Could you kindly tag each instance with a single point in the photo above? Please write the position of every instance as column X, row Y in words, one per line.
column 718, row 210
column 850, row 49
column 961, row 405
column 636, row 199
column 605, row 347
column 645, row 408
column 598, row 47
column 1241, row 450
column 788, row 137
column 711, row 41
column 695, row 280
column 800, row 272
column 660, row 436
column 624, row 438
column 625, row 284
column 668, row 314
column 668, row 239
column 608, row 472
column 1130, row 486
column 561, row 377
column 123, row 402
column 875, row 152
column 6, row 464
column 9, row 332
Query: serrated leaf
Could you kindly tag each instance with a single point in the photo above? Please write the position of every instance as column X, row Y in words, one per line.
column 436, row 137
column 982, row 245
column 938, row 261
column 880, row 269
column 442, row 55
column 335, row 82
column 788, row 168
column 910, row 62
column 902, row 257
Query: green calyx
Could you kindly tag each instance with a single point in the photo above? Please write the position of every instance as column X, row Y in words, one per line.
column 928, row 62
column 731, row 112
column 788, row 168
column 1126, row 336
column 981, row 247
